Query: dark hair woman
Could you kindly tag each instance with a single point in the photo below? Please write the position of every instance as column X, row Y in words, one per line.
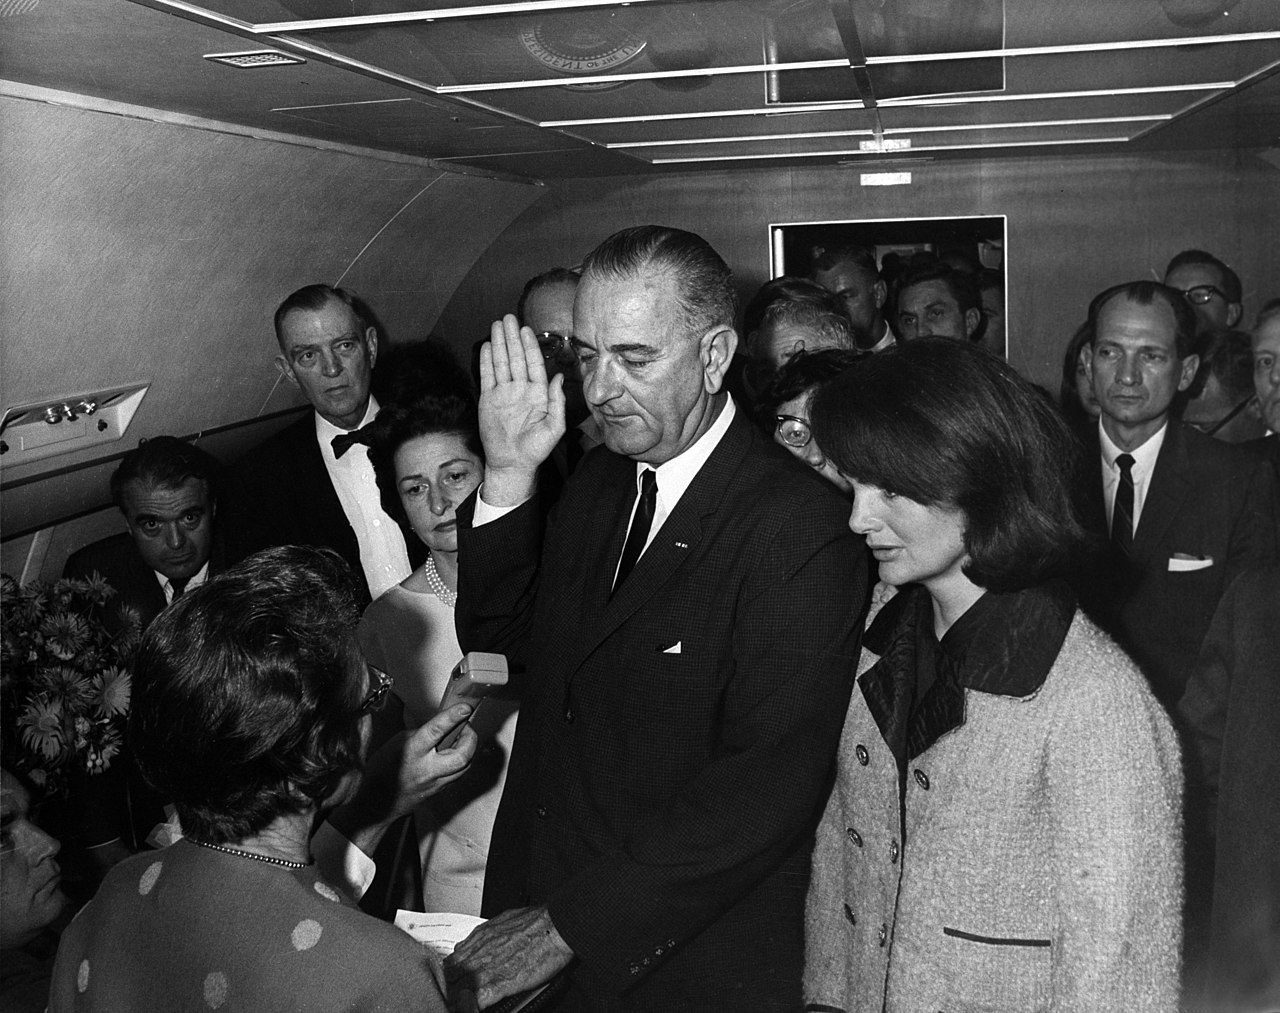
column 428, row 458
column 1004, row 830
column 251, row 707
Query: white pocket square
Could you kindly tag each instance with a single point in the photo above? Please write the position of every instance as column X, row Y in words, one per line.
column 1183, row 564
column 673, row 649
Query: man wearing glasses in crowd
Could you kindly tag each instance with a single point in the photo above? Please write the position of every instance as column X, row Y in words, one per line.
column 1212, row 288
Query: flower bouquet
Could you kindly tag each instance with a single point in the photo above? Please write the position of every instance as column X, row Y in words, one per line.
column 65, row 659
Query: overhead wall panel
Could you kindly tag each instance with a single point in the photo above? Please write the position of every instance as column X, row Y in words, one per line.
column 144, row 250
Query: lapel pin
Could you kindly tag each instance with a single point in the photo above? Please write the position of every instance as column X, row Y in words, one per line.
column 682, row 545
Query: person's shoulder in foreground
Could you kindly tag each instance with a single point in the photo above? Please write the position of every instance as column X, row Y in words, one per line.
column 300, row 945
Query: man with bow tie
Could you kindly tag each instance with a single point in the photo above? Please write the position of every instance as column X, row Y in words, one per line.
column 689, row 623
column 312, row 483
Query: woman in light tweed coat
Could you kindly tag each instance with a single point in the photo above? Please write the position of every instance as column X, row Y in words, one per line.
column 1004, row 833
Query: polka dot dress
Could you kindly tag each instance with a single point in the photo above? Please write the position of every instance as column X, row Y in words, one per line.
column 189, row 929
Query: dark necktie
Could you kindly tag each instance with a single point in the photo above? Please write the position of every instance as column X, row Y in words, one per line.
column 345, row 441
column 640, row 525
column 177, row 586
column 1122, row 513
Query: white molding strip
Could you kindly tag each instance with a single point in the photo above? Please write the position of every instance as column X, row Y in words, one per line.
column 444, row 14
column 880, row 156
column 947, row 128
column 823, row 107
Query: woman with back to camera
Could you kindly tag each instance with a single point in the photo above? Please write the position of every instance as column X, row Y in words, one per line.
column 1004, row 829
column 251, row 707
column 428, row 459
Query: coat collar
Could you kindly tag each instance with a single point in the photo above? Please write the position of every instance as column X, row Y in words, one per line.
column 1004, row 645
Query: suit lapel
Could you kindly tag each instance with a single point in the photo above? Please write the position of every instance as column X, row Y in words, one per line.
column 1168, row 488
column 675, row 542
column 150, row 595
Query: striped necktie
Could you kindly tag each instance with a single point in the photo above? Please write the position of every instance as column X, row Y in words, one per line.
column 1122, row 514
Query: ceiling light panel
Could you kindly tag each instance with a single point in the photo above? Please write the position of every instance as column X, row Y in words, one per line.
column 255, row 58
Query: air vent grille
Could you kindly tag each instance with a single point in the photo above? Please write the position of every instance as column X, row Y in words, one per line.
column 255, row 58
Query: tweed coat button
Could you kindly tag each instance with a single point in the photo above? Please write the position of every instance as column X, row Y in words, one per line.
column 862, row 755
column 922, row 779
column 893, row 851
column 854, row 836
column 883, row 935
column 848, row 913
column 542, row 812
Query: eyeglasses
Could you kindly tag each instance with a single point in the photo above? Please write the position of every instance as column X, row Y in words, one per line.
column 792, row 431
column 556, row 346
column 1209, row 428
column 378, row 695
column 1198, row 295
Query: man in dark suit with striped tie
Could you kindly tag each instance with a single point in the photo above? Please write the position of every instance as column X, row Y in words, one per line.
column 689, row 622
column 166, row 489
column 1183, row 513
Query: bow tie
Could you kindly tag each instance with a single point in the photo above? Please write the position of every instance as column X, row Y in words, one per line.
column 345, row 441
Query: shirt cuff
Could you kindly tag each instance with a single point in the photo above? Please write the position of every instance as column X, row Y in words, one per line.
column 340, row 862
column 486, row 512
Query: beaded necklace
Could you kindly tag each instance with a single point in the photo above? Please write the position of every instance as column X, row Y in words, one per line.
column 240, row 853
column 437, row 584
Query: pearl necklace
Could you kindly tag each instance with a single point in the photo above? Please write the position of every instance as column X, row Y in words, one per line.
column 250, row 854
column 437, row 584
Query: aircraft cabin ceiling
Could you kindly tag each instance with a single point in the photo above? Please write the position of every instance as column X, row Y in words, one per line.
column 567, row 88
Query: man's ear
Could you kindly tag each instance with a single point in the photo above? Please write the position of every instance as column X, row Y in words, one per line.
column 971, row 320
column 717, row 348
column 371, row 343
column 880, row 292
column 1234, row 309
column 1085, row 360
column 286, row 370
column 1189, row 366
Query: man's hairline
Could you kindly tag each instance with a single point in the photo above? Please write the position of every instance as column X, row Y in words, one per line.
column 210, row 499
column 694, row 330
column 362, row 328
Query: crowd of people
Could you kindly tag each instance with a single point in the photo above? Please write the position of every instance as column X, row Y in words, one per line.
column 849, row 669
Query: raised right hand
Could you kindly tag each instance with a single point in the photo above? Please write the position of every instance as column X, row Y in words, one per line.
column 521, row 413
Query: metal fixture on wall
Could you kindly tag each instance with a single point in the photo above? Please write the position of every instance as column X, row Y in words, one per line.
column 60, row 425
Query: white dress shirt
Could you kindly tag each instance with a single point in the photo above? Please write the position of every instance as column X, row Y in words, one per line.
column 166, row 585
column 887, row 339
column 1144, row 463
column 383, row 555
column 673, row 477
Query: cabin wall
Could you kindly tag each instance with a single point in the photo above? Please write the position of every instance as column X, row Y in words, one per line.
column 146, row 248
column 1075, row 226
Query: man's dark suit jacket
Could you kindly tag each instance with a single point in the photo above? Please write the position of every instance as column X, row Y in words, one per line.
column 1210, row 513
column 279, row 493
column 1268, row 448
column 1232, row 712
column 118, row 561
column 676, row 740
